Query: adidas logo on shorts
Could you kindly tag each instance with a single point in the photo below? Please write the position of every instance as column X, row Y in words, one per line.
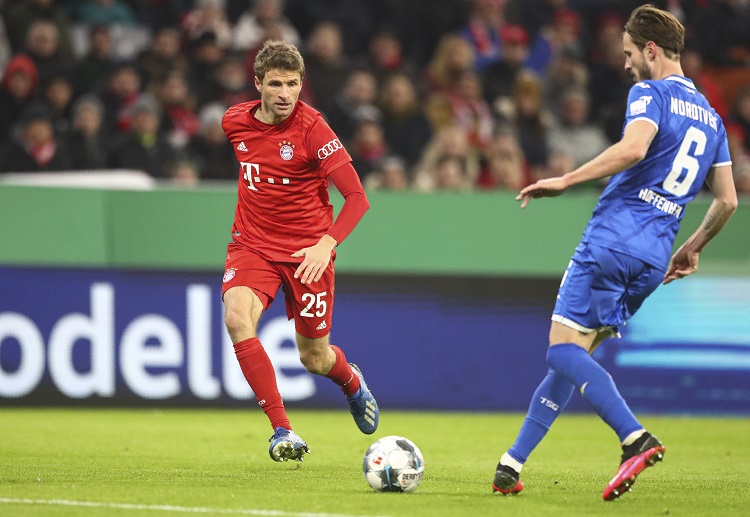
column 321, row 326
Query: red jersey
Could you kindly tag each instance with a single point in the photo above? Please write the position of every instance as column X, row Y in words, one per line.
column 282, row 199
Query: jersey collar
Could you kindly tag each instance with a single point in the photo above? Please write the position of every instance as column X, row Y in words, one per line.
column 681, row 79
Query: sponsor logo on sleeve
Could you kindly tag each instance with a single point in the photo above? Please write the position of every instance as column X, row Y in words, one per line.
column 639, row 106
column 330, row 148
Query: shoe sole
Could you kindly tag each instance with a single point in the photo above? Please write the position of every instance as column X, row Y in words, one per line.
column 371, row 407
column 629, row 471
column 284, row 451
column 505, row 492
column 517, row 487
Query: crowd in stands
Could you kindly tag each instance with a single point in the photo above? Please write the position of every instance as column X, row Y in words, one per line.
column 425, row 94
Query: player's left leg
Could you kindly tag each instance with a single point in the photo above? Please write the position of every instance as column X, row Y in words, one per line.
column 619, row 285
column 321, row 358
column 311, row 306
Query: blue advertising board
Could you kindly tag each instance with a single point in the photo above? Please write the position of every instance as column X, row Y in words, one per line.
column 95, row 337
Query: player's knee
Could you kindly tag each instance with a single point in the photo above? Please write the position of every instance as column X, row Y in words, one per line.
column 314, row 361
column 236, row 322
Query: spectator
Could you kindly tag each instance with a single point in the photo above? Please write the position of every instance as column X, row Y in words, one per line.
column 498, row 78
column 609, row 86
column 406, row 128
column 206, row 56
column 452, row 57
column 357, row 100
column 5, row 51
column 574, row 135
column 104, row 12
column 179, row 119
column 741, row 114
column 532, row 122
column 736, row 140
column 17, row 91
column 144, row 147
column 86, row 142
column 358, row 19
column 483, row 31
column 450, row 144
column 563, row 32
column 208, row 17
column 22, row 15
column 210, row 150
column 742, row 178
column 91, row 72
column 385, row 57
column 692, row 65
column 162, row 57
column 326, row 66
column 566, row 70
column 451, row 173
column 368, row 147
column 37, row 148
column 503, row 163
column 123, row 88
column 230, row 84
column 43, row 46
column 391, row 174
column 57, row 94
column 185, row 174
column 471, row 111
column 250, row 29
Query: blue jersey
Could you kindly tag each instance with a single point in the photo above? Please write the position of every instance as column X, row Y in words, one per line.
column 640, row 210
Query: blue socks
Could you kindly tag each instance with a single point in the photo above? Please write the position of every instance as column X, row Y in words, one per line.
column 575, row 364
column 549, row 399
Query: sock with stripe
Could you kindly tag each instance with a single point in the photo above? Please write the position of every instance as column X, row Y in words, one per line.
column 259, row 373
column 596, row 386
column 342, row 373
column 549, row 399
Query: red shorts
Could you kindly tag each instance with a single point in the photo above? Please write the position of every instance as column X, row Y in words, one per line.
column 311, row 305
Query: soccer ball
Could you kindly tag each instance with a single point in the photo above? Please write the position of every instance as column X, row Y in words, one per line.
column 393, row 464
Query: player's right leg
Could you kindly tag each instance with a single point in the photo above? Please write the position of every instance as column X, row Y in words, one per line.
column 550, row 398
column 243, row 308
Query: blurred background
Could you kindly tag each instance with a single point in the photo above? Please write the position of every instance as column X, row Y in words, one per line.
column 118, row 186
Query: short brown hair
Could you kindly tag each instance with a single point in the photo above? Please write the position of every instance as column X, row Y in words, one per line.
column 278, row 55
column 648, row 23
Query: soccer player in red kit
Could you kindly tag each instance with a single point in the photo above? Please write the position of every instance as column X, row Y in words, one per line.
column 284, row 235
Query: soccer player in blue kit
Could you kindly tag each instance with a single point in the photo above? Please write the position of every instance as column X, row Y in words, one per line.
column 672, row 142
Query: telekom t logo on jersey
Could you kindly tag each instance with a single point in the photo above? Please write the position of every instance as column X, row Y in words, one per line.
column 251, row 173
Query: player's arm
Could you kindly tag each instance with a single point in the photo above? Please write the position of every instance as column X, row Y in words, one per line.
column 631, row 149
column 685, row 260
column 317, row 257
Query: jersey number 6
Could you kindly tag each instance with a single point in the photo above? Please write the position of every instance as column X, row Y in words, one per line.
column 687, row 162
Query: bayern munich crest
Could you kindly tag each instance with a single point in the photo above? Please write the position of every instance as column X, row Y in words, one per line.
column 286, row 151
column 229, row 274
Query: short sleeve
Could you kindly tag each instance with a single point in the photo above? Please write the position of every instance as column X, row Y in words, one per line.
column 722, row 150
column 644, row 103
column 326, row 147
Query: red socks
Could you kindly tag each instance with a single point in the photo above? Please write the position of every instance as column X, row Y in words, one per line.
column 258, row 370
column 342, row 373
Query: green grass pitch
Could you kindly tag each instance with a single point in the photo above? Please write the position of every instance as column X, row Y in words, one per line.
column 127, row 462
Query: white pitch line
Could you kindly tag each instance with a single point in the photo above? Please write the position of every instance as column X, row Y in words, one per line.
column 170, row 508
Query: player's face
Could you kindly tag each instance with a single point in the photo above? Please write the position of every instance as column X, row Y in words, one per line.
column 635, row 60
column 279, row 93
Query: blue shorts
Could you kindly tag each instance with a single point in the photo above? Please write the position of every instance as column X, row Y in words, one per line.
column 602, row 289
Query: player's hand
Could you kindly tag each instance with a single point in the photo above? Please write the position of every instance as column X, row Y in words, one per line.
column 684, row 262
column 316, row 259
column 549, row 187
